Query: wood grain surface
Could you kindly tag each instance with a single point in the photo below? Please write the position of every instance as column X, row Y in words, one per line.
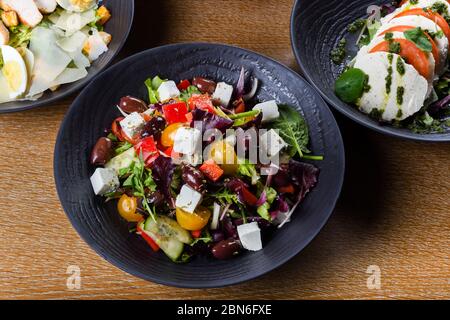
column 394, row 211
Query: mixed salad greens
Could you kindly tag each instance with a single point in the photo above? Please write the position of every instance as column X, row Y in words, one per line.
column 217, row 203
column 400, row 75
column 47, row 43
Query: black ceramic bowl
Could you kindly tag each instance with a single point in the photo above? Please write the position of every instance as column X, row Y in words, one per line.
column 118, row 26
column 316, row 28
column 100, row 225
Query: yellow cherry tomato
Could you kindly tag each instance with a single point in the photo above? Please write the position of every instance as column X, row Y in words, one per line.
column 193, row 221
column 168, row 135
column 224, row 155
column 127, row 207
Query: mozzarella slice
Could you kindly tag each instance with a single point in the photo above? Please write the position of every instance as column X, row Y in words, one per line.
column 415, row 87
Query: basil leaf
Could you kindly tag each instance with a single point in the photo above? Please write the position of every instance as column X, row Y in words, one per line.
column 292, row 129
column 419, row 37
column 349, row 87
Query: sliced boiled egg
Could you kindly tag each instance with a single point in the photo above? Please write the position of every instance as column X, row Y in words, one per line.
column 77, row 5
column 14, row 71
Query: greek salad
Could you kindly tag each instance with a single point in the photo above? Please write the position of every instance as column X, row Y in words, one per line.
column 47, row 43
column 191, row 193
column 400, row 73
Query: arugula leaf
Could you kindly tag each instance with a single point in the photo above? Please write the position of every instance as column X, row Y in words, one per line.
column 225, row 197
column 293, row 129
column 206, row 238
column 418, row 36
column 245, row 168
column 123, row 146
column 185, row 95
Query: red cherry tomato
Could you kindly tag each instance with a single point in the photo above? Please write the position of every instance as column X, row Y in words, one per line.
column 183, row 85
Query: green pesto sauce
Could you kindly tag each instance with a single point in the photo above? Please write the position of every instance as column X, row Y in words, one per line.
column 356, row 25
column 389, row 36
column 376, row 114
column 339, row 53
column 389, row 80
column 394, row 47
column 400, row 66
column 399, row 113
column 400, row 94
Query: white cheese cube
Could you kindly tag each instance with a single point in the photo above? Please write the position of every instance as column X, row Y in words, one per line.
column 104, row 181
column 194, row 159
column 269, row 110
column 188, row 199
column 223, row 93
column 168, row 90
column 132, row 124
column 250, row 236
column 187, row 140
column 271, row 143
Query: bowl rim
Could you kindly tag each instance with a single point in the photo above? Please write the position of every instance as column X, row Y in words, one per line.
column 80, row 84
column 214, row 283
column 360, row 118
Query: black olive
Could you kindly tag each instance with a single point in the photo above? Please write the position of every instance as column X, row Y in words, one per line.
column 226, row 249
column 102, row 152
column 154, row 128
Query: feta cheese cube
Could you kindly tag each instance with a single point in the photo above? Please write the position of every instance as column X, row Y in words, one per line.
column 188, row 199
column 104, row 181
column 223, row 93
column 194, row 159
column 187, row 140
column 271, row 143
column 168, row 90
column 132, row 124
column 250, row 236
column 269, row 110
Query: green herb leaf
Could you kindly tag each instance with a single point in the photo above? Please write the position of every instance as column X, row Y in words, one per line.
column 152, row 94
column 185, row 95
column 123, row 146
column 293, row 130
column 418, row 36
column 246, row 169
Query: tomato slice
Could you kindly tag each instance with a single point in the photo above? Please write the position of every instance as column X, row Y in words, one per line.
column 434, row 49
column 433, row 16
column 175, row 112
column 149, row 150
column 411, row 53
column 201, row 101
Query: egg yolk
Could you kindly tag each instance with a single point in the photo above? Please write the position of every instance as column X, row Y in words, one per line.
column 13, row 75
column 81, row 4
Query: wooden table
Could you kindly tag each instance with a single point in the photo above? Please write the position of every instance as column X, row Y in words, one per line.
column 394, row 211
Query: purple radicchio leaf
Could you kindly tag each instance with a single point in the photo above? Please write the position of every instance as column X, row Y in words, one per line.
column 437, row 107
column 303, row 176
column 163, row 170
column 210, row 121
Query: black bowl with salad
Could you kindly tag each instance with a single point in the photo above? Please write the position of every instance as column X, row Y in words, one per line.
column 161, row 176
column 384, row 64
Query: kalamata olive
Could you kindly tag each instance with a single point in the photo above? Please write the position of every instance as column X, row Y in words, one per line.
column 130, row 104
column 155, row 198
column 102, row 152
column 192, row 177
column 154, row 128
column 217, row 235
column 204, row 85
column 226, row 249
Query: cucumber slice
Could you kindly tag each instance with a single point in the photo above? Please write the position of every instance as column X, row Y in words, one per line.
column 173, row 248
column 167, row 227
column 123, row 160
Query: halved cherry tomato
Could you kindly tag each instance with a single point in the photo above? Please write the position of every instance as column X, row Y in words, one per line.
column 433, row 16
column 193, row 221
column 196, row 234
column 148, row 239
column 147, row 147
column 202, row 102
column 411, row 53
column 168, row 135
column 183, row 85
column 175, row 112
column 127, row 207
column 434, row 49
column 224, row 155
column 116, row 129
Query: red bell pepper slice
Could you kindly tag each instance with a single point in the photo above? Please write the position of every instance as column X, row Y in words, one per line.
column 148, row 239
column 183, row 85
column 210, row 169
column 116, row 129
column 175, row 112
column 147, row 147
column 202, row 102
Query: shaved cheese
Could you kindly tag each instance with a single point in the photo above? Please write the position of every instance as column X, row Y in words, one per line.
column 72, row 22
column 95, row 46
column 69, row 75
column 50, row 59
column 72, row 43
